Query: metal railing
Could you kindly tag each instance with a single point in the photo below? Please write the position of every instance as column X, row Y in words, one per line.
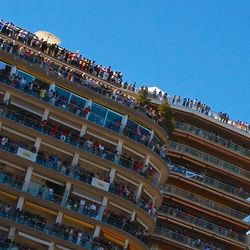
column 188, row 173
column 182, row 239
column 173, row 146
column 213, row 138
column 127, row 226
column 171, row 190
column 203, row 224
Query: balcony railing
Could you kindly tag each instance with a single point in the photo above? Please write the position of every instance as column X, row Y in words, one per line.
column 188, row 173
column 79, row 143
column 213, row 138
column 124, row 225
column 183, row 240
column 58, row 68
column 76, row 110
column 171, row 190
column 74, row 173
column 180, row 148
column 203, row 224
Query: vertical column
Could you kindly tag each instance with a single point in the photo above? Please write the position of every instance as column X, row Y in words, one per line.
column 20, row 203
column 133, row 216
column 112, row 175
column 51, row 246
column 74, row 164
column 124, row 122
column 11, row 235
column 66, row 193
column 38, row 143
column 83, row 130
column 97, row 231
column 139, row 190
column 45, row 114
column 88, row 104
column 147, row 160
column 102, row 208
column 6, row 98
column 151, row 136
column 27, row 179
column 59, row 217
column 126, row 244
column 119, row 150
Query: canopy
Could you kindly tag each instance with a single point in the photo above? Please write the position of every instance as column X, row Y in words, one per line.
column 48, row 37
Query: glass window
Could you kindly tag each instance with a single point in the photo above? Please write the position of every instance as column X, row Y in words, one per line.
column 78, row 100
column 113, row 121
column 29, row 78
column 4, row 70
column 61, row 92
column 97, row 114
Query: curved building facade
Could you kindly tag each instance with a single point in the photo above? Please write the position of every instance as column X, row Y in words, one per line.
column 84, row 166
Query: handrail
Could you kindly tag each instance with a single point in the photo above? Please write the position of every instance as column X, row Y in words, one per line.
column 213, row 138
column 188, row 173
column 184, row 240
column 225, row 232
column 75, row 174
column 125, row 226
column 80, row 111
column 181, row 148
column 172, row 190
column 81, row 144
column 81, row 80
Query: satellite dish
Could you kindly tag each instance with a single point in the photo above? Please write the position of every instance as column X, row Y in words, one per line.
column 48, row 37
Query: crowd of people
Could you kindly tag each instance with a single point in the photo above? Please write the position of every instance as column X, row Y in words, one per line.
column 83, row 174
column 201, row 221
column 79, row 205
column 180, row 235
column 131, row 226
column 83, row 142
column 89, row 66
column 52, row 96
column 9, row 244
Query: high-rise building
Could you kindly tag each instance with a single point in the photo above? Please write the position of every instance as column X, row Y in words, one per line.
column 85, row 166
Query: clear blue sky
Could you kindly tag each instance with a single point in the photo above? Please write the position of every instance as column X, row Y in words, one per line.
column 193, row 48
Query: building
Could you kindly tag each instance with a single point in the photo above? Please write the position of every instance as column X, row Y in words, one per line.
column 83, row 166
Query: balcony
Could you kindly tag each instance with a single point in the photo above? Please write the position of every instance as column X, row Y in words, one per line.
column 119, row 160
column 198, row 200
column 131, row 228
column 183, row 149
column 201, row 223
column 212, row 138
column 57, row 70
column 188, row 173
column 182, row 240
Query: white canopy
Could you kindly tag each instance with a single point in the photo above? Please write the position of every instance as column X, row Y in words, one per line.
column 151, row 90
column 48, row 37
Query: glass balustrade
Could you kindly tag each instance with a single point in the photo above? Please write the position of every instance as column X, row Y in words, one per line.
column 182, row 239
column 79, row 143
column 208, row 181
column 76, row 173
column 213, row 138
column 203, row 202
column 119, row 222
column 203, row 224
column 173, row 146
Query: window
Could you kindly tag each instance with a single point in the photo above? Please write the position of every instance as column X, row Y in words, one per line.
column 113, row 121
column 97, row 114
column 29, row 78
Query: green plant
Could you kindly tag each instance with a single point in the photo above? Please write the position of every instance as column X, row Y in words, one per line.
column 166, row 113
column 142, row 98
